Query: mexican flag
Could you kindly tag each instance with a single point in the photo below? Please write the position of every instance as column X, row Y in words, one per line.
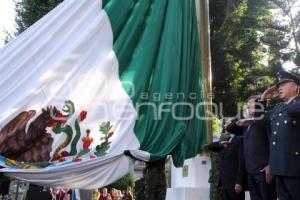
column 94, row 79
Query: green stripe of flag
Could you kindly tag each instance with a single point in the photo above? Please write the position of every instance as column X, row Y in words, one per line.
column 157, row 46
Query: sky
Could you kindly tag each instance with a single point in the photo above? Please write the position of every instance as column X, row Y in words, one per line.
column 7, row 18
column 289, row 65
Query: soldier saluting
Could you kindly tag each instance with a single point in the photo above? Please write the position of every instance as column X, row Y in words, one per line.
column 284, row 158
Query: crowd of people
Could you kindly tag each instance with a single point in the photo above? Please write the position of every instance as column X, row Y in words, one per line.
column 115, row 194
column 39, row 192
column 261, row 152
column 6, row 197
column 61, row 194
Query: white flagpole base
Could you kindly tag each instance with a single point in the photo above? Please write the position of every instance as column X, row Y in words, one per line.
column 187, row 193
column 190, row 182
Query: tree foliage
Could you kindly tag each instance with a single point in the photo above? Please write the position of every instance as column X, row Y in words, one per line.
column 290, row 20
column 30, row 11
column 123, row 182
column 244, row 57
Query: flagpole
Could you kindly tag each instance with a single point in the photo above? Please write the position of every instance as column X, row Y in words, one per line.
column 204, row 38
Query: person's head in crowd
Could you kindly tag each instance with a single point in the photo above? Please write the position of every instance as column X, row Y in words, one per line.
column 104, row 191
column 288, row 85
column 119, row 193
column 129, row 191
column 67, row 197
column 113, row 192
column 252, row 105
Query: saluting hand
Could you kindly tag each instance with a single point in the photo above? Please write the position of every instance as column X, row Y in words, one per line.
column 267, row 171
column 245, row 122
column 268, row 93
column 225, row 143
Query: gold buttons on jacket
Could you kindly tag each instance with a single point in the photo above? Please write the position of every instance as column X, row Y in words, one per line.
column 296, row 153
column 275, row 132
column 280, row 114
column 274, row 143
column 285, row 121
column 277, row 123
column 294, row 122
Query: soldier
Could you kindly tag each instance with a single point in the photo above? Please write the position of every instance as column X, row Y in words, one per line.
column 140, row 189
column 155, row 180
column 216, row 189
column 285, row 136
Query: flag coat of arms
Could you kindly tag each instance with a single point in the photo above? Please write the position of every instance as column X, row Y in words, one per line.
column 94, row 79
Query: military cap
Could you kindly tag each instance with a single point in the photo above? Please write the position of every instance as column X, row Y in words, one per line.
column 285, row 77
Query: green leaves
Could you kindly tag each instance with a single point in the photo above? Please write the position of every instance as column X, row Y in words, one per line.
column 105, row 127
column 240, row 57
column 101, row 149
column 289, row 18
column 82, row 152
column 30, row 11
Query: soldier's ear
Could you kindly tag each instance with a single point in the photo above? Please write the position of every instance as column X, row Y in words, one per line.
column 297, row 88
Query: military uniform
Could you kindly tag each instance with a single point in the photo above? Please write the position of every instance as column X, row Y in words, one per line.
column 285, row 143
column 140, row 189
column 155, row 180
column 285, row 147
column 285, row 140
column 216, row 189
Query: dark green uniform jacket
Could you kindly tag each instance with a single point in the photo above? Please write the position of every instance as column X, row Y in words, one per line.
column 285, row 138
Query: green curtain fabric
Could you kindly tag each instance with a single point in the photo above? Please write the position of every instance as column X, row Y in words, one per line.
column 157, row 46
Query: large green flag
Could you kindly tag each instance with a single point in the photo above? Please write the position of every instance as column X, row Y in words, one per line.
column 157, row 46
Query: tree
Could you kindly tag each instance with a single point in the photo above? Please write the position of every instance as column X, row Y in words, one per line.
column 291, row 21
column 123, row 182
column 238, row 52
column 8, row 36
column 30, row 11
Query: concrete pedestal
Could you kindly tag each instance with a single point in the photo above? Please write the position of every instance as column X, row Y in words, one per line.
column 190, row 182
column 187, row 193
column 194, row 173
